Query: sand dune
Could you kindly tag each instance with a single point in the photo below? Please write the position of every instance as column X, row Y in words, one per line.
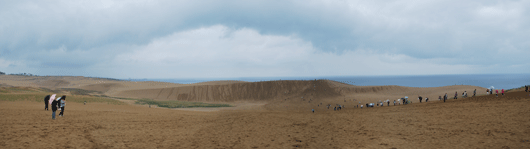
column 479, row 122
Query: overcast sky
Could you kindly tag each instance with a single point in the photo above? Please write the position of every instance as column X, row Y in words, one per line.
column 269, row 38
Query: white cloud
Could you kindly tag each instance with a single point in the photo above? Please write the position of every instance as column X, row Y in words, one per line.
column 5, row 63
column 219, row 51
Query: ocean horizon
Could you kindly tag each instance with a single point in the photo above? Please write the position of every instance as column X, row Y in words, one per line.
column 498, row 81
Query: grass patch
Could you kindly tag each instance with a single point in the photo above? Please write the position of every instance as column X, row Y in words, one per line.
column 39, row 97
column 179, row 104
column 522, row 87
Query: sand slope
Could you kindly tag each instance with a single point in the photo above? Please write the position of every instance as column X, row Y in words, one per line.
column 479, row 122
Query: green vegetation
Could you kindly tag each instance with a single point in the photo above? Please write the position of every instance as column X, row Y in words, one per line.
column 178, row 104
column 522, row 87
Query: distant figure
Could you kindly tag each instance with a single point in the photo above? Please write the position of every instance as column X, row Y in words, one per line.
column 427, row 99
column 46, row 102
column 496, row 93
column 387, row 102
column 439, row 98
column 445, row 97
column 502, row 92
column 334, row 108
column 62, row 104
column 456, row 95
column 465, row 94
column 487, row 91
column 420, row 98
column 474, row 92
column 313, row 110
column 361, row 106
column 526, row 88
column 491, row 91
column 84, row 103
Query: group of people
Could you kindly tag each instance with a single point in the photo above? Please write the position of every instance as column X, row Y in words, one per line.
column 490, row 91
column 56, row 104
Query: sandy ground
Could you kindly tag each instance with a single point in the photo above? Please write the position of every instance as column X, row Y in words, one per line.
column 479, row 122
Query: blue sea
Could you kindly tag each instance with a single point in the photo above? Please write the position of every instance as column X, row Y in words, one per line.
column 498, row 81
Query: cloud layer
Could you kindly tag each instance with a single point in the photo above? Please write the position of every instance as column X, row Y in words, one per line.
column 169, row 39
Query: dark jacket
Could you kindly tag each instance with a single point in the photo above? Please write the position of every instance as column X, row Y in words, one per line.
column 47, row 99
column 54, row 105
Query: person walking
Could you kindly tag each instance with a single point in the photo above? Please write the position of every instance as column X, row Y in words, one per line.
column 502, row 92
column 62, row 104
column 394, row 102
column 420, row 98
column 46, row 102
column 526, row 88
column 388, row 102
column 496, row 93
column 55, row 103
column 445, row 97
column 456, row 95
column 474, row 92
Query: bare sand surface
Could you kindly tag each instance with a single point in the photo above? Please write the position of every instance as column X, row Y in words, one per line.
column 478, row 122
column 270, row 114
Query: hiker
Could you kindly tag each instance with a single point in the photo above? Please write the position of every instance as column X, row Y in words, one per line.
column 502, row 92
column 465, row 94
column 445, row 97
column 474, row 92
column 54, row 107
column 403, row 100
column 487, row 91
column 394, row 102
column 420, row 98
column 46, row 102
column 62, row 104
column 387, row 102
column 361, row 106
column 427, row 99
column 526, row 88
column 496, row 93
column 456, row 95
column 439, row 98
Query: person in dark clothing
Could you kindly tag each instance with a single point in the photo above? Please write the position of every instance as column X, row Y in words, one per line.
column 445, row 97
column 420, row 98
column 387, row 102
column 62, row 103
column 54, row 107
column 456, row 95
column 526, row 88
column 46, row 102
column 474, row 92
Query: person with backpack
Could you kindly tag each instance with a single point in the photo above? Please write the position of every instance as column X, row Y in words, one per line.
column 46, row 102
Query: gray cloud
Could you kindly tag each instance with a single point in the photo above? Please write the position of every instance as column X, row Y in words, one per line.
column 88, row 35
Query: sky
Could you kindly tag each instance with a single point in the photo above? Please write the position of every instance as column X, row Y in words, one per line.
column 263, row 38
